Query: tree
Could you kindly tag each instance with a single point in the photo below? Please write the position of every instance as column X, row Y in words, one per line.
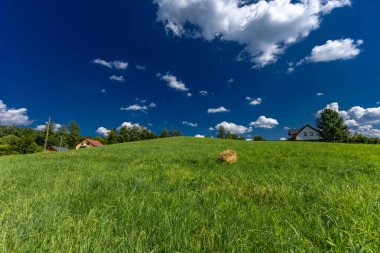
column 164, row 133
column 74, row 134
column 112, row 137
column 135, row 133
column 331, row 126
column 258, row 138
column 124, row 134
column 26, row 145
column 62, row 135
column 221, row 132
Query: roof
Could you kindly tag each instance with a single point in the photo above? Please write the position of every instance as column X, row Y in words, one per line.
column 94, row 143
column 295, row 132
column 59, row 148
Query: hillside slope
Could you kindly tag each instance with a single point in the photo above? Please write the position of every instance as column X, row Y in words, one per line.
column 172, row 194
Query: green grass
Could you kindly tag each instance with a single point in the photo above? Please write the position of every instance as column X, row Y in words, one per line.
column 172, row 195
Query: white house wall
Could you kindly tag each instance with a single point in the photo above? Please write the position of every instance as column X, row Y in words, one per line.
column 311, row 135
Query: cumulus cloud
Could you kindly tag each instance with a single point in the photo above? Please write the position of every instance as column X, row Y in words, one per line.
column 230, row 80
column 233, row 128
column 117, row 78
column 369, row 131
column 264, row 122
column 254, row 101
column 189, row 124
column 129, row 125
column 173, row 82
column 283, row 139
column 43, row 127
column 142, row 106
column 199, row 136
column 334, row 50
column 140, row 67
column 12, row 116
column 121, row 65
column 265, row 28
column 203, row 93
column 102, row 131
column 135, row 107
column 217, row 110
column 152, row 105
column 319, row 94
column 360, row 120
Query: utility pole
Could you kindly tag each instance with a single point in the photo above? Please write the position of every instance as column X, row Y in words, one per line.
column 47, row 135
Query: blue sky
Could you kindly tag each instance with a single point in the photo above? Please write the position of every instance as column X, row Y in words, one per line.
column 103, row 63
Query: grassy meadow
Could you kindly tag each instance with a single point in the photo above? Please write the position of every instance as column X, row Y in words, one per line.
column 173, row 195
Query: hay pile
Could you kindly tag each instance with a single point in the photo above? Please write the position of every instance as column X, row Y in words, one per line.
column 228, row 156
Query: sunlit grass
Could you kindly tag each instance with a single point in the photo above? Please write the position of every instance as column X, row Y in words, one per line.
column 173, row 194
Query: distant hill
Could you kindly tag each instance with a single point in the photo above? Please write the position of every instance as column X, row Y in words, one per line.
column 173, row 195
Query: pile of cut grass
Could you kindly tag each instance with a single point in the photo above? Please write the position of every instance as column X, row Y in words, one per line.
column 173, row 194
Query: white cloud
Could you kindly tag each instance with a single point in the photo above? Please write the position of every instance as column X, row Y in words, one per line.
column 334, row 50
column 233, row 128
column 173, row 82
column 351, row 123
column 103, row 90
column 217, row 110
column 121, row 65
column 286, row 128
column 230, row 80
column 199, row 136
column 135, row 107
column 360, row 120
column 283, row 139
column 128, row 125
column 265, row 28
column 43, row 127
column 170, row 26
column 264, row 122
column 189, row 94
column 368, row 130
column 203, row 92
column 254, row 101
column 102, row 131
column 11, row 116
column 152, row 105
column 319, row 94
column 117, row 78
column 189, row 124
column 140, row 67
column 103, row 63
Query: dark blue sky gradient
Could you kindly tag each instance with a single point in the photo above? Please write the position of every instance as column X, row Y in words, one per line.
column 46, row 49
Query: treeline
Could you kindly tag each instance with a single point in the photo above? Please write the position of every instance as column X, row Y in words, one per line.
column 135, row 133
column 18, row 140
column 224, row 134
column 127, row 134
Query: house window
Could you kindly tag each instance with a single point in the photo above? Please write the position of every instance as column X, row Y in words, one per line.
column 305, row 134
column 311, row 134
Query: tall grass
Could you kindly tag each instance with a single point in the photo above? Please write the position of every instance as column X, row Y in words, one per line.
column 173, row 195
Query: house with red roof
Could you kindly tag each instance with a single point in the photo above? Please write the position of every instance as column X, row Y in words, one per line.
column 306, row 133
column 88, row 143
